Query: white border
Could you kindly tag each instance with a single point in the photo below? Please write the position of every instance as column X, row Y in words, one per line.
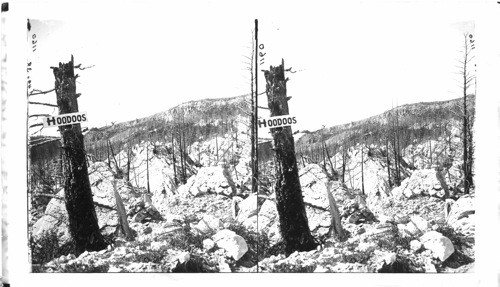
column 486, row 178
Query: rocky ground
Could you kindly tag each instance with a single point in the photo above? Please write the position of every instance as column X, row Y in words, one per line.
column 210, row 224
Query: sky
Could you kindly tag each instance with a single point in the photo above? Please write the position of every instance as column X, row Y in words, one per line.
column 351, row 61
column 354, row 59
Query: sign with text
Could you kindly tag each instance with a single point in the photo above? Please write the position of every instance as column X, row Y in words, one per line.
column 277, row 122
column 65, row 119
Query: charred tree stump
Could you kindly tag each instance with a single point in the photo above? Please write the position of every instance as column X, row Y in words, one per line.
column 123, row 226
column 290, row 204
column 336, row 230
column 83, row 224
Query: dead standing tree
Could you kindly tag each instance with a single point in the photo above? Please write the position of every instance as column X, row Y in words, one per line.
column 83, row 224
column 468, row 79
column 290, row 204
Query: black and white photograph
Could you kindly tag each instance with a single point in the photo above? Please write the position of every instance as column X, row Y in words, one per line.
column 178, row 138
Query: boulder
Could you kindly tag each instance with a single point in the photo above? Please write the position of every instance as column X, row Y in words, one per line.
column 274, row 233
column 415, row 227
column 247, row 208
column 441, row 246
column 461, row 216
column 208, row 224
column 313, row 181
column 234, row 244
column 268, row 209
column 263, row 223
column 319, row 220
column 421, row 182
column 55, row 218
column 209, row 179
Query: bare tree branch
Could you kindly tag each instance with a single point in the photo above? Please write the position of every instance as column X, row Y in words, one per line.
column 43, row 104
column 40, row 92
column 36, row 125
column 79, row 67
column 39, row 115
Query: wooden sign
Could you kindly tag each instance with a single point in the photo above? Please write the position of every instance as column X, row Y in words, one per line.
column 277, row 122
column 65, row 119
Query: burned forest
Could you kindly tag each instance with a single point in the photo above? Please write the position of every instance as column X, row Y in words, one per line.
column 241, row 183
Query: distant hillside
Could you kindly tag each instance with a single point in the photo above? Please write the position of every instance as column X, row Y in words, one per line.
column 415, row 121
column 195, row 119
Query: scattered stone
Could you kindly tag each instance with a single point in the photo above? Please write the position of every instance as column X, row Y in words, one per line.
column 158, row 245
column 389, row 258
column 223, row 266
column 367, row 246
column 139, row 217
column 183, row 257
column 235, row 206
column 114, row 269
column 382, row 230
column 208, row 244
column 234, row 244
column 429, row 266
column 385, row 219
column 209, row 224
column 415, row 245
column 441, row 246
column 420, row 223
column 402, row 219
column 147, row 230
column 320, row 269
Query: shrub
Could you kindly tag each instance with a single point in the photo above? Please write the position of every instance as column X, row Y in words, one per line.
column 258, row 242
column 456, row 238
column 293, row 268
column 47, row 248
column 79, row 267
column 356, row 257
column 403, row 242
column 184, row 239
column 401, row 265
column 393, row 243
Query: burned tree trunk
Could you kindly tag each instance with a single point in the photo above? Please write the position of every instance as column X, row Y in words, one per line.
column 336, row 230
column 290, row 204
column 362, row 172
column 388, row 162
column 83, row 225
column 147, row 165
column 123, row 226
column 173, row 161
